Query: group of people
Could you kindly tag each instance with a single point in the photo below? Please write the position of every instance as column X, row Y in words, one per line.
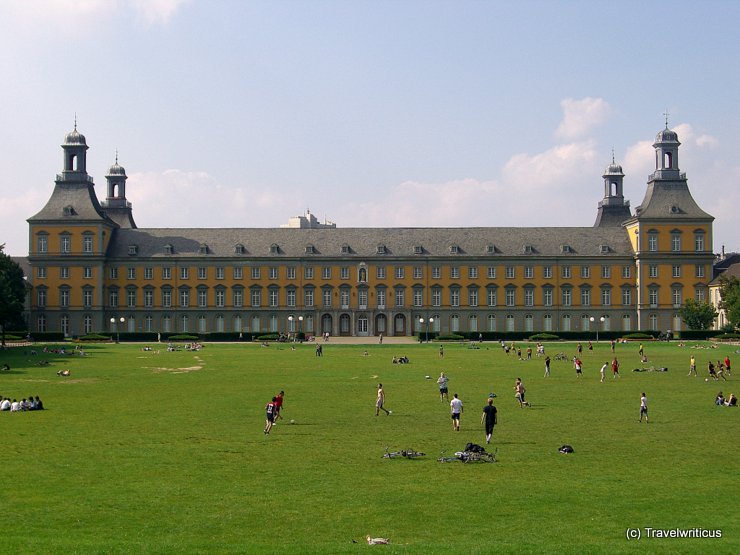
column 30, row 403
column 715, row 372
column 488, row 418
column 272, row 411
column 400, row 360
column 730, row 401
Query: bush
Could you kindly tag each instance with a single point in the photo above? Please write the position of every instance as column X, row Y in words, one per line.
column 182, row 337
column 544, row 337
column 699, row 335
column 267, row 337
column 727, row 336
column 94, row 337
column 450, row 337
column 638, row 335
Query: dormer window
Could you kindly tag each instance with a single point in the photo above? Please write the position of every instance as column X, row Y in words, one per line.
column 381, row 249
column 274, row 248
column 346, row 249
column 69, row 210
column 490, row 249
column 566, row 249
column 528, row 249
column 310, row 249
column 133, row 250
column 604, row 249
column 454, row 249
column 203, row 249
column 168, row 249
column 239, row 249
column 418, row 249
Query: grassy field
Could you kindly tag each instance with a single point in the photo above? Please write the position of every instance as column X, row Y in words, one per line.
column 164, row 453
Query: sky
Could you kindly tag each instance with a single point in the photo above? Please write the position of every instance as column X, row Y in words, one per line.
column 368, row 113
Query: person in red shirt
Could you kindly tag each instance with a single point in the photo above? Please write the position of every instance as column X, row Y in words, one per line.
column 615, row 367
column 279, row 404
column 727, row 366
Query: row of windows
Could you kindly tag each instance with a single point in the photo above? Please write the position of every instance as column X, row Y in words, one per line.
column 676, row 244
column 185, row 298
column 65, row 243
column 272, row 323
column 326, row 272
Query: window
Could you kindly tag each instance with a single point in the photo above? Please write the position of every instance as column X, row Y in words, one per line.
column 184, row 272
column 148, row 323
column 653, row 271
column 113, row 272
column 626, row 323
column 510, row 272
column 566, row 322
column 41, row 272
column 528, row 322
column 473, row 323
column 308, row 272
column 606, row 296
column 700, row 294
column 344, row 297
column 418, row 249
column 586, row 296
column 491, row 296
column 273, row 298
column 510, row 296
column 166, row 298
column 491, row 272
column 202, row 297
column 399, row 272
column 547, row 296
column 219, row 272
column 626, row 272
column 290, row 272
column 676, row 295
column 184, row 298
column 585, row 272
column 238, row 298
column 454, row 323
column 606, row 272
column 166, row 273
column 87, row 272
column 148, row 298
column 41, row 297
column 509, row 322
column 652, row 241
column 308, row 298
column 436, row 272
column 491, row 322
column 87, row 244
column 87, row 298
column 42, row 244
column 626, row 296
column 472, row 296
column 676, row 271
column 436, row 297
column 202, row 273
column 87, row 324
column 653, row 296
column 699, row 241
column 41, row 323
column 454, row 272
column 148, row 273
column 238, row 272
column 202, row 324
column 273, row 272
column 66, row 242
column 256, row 298
column 400, row 297
column 380, row 272
column 699, row 270
column 529, row 297
column 565, row 272
column 567, row 293
column 362, row 298
column 547, row 272
column 255, row 272
column 473, row 272
column 326, row 297
column 113, row 298
column 381, row 298
column 454, row 296
column 131, row 298
column 220, row 297
column 653, row 319
column 528, row 272
column 547, row 322
column 418, row 297
column 675, row 242
column 326, row 272
column 290, row 298
column 418, row 272
column 344, row 272
column 64, row 272
column 130, row 273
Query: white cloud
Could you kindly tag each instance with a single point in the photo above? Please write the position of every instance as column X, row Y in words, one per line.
column 156, row 11
column 706, row 141
column 580, row 116
column 81, row 12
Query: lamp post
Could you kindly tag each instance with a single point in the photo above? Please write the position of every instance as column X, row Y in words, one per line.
column 114, row 323
column 429, row 321
column 602, row 319
column 290, row 327
column 300, row 326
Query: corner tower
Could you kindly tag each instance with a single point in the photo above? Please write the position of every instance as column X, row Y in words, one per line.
column 116, row 207
column 672, row 239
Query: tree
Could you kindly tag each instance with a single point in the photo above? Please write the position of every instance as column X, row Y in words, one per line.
column 698, row 316
column 12, row 293
column 729, row 289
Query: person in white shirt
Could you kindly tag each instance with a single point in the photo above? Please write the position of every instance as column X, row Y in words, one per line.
column 442, row 381
column 456, row 408
column 15, row 406
column 5, row 405
column 643, row 407
column 603, row 370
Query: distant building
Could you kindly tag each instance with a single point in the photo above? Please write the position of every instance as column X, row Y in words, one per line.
column 92, row 269
column 728, row 266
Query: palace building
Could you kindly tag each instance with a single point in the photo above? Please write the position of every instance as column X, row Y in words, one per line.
column 92, row 269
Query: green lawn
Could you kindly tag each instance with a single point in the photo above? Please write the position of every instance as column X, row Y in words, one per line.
column 164, row 453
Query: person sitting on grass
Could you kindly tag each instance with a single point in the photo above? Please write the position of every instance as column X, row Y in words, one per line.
column 732, row 401
column 64, row 373
column 6, row 367
column 39, row 404
column 5, row 405
column 719, row 400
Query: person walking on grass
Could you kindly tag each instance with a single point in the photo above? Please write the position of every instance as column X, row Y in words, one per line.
column 489, row 418
column 279, row 405
column 269, row 415
column 547, row 366
column 692, row 365
column 380, row 401
column 615, row 368
column 643, row 407
column 603, row 371
column 728, row 369
column 456, row 408
column 442, row 381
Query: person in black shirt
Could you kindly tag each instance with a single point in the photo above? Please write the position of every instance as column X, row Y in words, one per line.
column 489, row 417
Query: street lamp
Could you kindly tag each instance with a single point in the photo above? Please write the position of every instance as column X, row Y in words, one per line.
column 602, row 319
column 114, row 323
column 300, row 325
column 430, row 321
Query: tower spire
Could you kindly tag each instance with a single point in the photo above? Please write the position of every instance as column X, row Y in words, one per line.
column 666, row 114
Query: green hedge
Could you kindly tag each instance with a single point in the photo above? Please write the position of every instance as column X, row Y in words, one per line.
column 544, row 337
column 699, row 334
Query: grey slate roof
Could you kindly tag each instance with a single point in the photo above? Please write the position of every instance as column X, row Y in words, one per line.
column 81, row 198
column 364, row 242
column 732, row 271
column 664, row 199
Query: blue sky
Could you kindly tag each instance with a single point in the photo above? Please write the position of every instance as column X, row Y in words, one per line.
column 370, row 114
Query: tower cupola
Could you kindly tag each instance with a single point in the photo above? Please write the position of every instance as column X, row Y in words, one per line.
column 75, row 153
column 613, row 209
column 666, row 154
